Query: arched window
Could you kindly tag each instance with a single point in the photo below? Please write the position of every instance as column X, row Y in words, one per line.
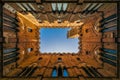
column 30, row 49
column 54, row 72
column 78, row 59
column 109, row 56
column 87, row 71
column 59, row 59
column 59, row 72
column 109, row 50
column 9, row 50
column 65, row 72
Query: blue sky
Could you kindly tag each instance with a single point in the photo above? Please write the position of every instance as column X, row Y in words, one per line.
column 55, row 40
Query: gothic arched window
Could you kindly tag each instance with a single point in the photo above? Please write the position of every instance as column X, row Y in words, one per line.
column 109, row 56
column 65, row 72
column 59, row 72
column 54, row 72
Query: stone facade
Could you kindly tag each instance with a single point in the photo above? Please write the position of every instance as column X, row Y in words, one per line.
column 97, row 45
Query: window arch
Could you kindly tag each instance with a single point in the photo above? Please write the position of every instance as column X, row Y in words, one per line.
column 59, row 59
column 109, row 56
column 59, row 72
column 54, row 72
column 65, row 72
